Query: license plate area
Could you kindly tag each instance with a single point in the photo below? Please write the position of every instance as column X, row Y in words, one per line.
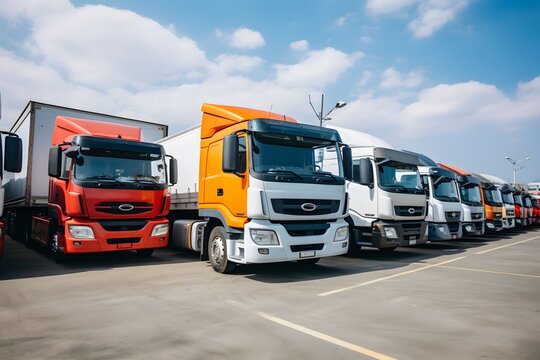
column 307, row 253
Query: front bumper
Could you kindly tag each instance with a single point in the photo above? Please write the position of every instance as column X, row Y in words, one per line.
column 408, row 234
column 106, row 240
column 473, row 228
column 509, row 223
column 290, row 247
column 494, row 225
column 445, row 231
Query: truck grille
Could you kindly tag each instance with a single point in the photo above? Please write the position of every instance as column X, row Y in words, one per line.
column 411, row 228
column 476, row 216
column 452, row 216
column 453, row 227
column 510, row 213
column 123, row 225
column 121, row 208
column 305, row 206
column 306, row 247
column 409, row 210
column 306, row 228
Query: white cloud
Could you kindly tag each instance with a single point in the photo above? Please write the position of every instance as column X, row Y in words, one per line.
column 317, row 70
column 342, row 20
column 229, row 63
column 300, row 45
column 393, row 79
column 101, row 49
column 433, row 15
column 366, row 39
column 382, row 7
column 244, row 38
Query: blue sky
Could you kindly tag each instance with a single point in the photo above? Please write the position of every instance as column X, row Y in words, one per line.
column 458, row 80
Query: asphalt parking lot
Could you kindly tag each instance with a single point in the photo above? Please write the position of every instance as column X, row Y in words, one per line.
column 467, row 299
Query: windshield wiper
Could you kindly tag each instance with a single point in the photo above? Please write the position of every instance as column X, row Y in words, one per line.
column 275, row 171
column 325, row 174
column 104, row 177
column 398, row 188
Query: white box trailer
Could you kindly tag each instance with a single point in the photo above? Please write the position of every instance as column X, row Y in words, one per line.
column 29, row 188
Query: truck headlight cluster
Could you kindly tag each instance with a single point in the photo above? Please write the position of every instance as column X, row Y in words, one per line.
column 390, row 232
column 264, row 237
column 81, row 232
column 160, row 230
column 342, row 233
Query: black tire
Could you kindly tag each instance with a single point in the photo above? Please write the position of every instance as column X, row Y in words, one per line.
column 310, row 261
column 388, row 249
column 145, row 253
column 27, row 237
column 217, row 251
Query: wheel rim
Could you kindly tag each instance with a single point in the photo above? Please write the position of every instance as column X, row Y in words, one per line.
column 217, row 250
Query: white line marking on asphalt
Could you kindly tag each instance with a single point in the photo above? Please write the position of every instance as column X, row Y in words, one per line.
column 507, row 245
column 332, row 292
column 490, row 271
column 327, row 338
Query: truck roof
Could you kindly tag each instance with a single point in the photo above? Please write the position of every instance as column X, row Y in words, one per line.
column 68, row 127
column 216, row 117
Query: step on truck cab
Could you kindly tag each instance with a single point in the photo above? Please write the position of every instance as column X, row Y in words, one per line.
column 10, row 163
column 493, row 205
column 444, row 210
column 471, row 201
column 90, row 186
column 258, row 187
column 506, row 189
column 387, row 205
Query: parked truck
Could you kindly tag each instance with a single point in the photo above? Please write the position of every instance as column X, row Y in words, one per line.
column 90, row 182
column 506, row 190
column 387, row 206
column 255, row 188
column 493, row 205
column 10, row 162
column 471, row 201
column 519, row 210
column 444, row 210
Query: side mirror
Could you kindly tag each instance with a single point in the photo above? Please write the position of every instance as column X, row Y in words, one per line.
column 366, row 173
column 230, row 154
column 55, row 161
column 173, row 171
column 347, row 162
column 72, row 152
column 13, row 154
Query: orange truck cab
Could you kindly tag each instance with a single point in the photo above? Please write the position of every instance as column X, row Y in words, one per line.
column 255, row 188
column 493, row 204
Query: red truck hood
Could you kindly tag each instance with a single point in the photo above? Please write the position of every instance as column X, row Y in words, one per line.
column 123, row 204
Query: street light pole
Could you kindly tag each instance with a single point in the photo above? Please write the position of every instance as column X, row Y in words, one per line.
column 514, row 162
column 319, row 115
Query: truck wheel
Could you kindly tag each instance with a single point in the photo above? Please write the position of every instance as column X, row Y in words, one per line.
column 145, row 253
column 217, row 251
column 388, row 249
column 311, row 261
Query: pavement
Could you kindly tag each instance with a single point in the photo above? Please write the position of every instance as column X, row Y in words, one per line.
column 473, row 298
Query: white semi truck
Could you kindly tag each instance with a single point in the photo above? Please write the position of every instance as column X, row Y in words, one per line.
column 387, row 203
column 444, row 213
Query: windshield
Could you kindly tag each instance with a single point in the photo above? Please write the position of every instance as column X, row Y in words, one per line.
column 534, row 202
column 492, row 197
column 445, row 189
column 527, row 202
column 400, row 178
column 517, row 200
column 281, row 157
column 132, row 170
column 508, row 198
column 470, row 194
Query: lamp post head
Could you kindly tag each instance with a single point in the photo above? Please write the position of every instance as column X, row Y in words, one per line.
column 340, row 104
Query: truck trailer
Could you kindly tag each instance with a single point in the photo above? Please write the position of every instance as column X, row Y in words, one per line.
column 255, row 188
column 90, row 182
column 387, row 206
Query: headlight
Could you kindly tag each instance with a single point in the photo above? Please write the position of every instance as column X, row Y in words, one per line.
column 81, row 232
column 342, row 234
column 160, row 230
column 390, row 232
column 264, row 237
